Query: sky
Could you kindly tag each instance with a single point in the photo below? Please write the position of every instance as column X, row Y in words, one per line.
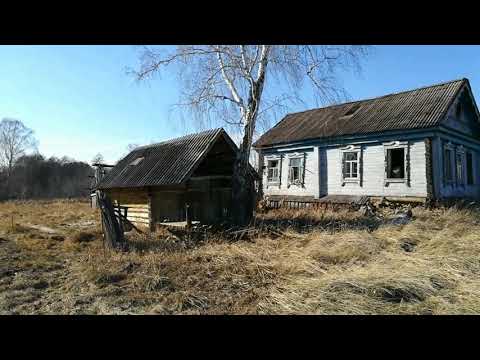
column 80, row 100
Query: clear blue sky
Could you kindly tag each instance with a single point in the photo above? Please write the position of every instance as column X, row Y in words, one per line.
column 80, row 101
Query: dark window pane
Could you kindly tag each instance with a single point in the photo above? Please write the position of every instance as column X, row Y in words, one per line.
column 294, row 162
column 459, row 168
column 469, row 169
column 346, row 172
column 296, row 173
column 396, row 163
column 350, row 156
column 448, row 165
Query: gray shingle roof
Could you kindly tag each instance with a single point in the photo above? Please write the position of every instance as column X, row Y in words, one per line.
column 165, row 163
column 415, row 109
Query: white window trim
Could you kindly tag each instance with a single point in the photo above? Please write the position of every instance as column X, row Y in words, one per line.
column 279, row 159
column 460, row 150
column 303, row 157
column 357, row 149
column 397, row 145
column 449, row 146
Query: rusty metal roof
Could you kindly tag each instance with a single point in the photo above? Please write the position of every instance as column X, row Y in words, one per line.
column 415, row 109
column 166, row 163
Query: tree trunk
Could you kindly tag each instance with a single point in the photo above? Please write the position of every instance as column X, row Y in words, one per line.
column 9, row 177
column 243, row 189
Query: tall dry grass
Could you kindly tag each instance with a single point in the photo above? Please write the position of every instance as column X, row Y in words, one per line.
column 313, row 269
column 371, row 273
column 324, row 262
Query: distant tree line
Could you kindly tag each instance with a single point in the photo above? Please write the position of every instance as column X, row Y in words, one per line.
column 32, row 176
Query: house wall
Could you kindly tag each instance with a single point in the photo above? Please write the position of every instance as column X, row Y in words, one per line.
column 209, row 199
column 137, row 202
column 444, row 189
column 461, row 127
column 167, row 206
column 311, row 175
column 374, row 173
column 323, row 174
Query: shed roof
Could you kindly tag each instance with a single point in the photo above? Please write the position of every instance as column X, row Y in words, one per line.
column 414, row 109
column 165, row 163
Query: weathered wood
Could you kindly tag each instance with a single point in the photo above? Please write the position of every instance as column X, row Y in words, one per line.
column 144, row 214
column 429, row 169
column 138, row 219
column 113, row 234
column 188, row 217
column 136, row 206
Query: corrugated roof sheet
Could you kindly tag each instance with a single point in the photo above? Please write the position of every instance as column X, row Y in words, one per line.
column 165, row 163
column 420, row 108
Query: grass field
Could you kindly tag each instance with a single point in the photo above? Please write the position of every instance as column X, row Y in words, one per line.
column 52, row 262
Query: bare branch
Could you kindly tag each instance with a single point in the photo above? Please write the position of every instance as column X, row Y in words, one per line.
column 229, row 82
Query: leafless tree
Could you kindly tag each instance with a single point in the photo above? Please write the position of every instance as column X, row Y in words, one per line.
column 98, row 159
column 131, row 147
column 229, row 84
column 15, row 140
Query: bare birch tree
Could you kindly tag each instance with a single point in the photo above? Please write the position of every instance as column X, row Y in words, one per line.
column 97, row 159
column 15, row 140
column 228, row 83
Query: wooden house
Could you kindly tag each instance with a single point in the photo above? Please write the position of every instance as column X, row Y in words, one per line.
column 413, row 145
column 156, row 183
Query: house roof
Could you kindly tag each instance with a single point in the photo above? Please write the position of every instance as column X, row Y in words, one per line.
column 166, row 163
column 414, row 109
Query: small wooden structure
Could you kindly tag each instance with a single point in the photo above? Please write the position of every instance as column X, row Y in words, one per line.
column 184, row 181
column 100, row 171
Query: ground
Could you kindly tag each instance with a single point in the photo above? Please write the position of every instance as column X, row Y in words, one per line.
column 52, row 261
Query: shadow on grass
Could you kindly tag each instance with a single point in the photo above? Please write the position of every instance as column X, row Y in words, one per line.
column 304, row 222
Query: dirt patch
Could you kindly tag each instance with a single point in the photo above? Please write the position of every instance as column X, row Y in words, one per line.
column 84, row 236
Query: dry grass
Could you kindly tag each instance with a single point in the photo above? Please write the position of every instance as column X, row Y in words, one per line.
column 325, row 263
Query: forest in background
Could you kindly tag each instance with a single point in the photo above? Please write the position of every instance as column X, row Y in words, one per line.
column 26, row 174
column 35, row 177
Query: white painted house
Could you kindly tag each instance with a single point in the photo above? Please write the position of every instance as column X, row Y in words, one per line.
column 417, row 145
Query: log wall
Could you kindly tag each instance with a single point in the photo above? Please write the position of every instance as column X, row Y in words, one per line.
column 137, row 203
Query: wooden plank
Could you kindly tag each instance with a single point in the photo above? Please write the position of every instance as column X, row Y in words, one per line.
column 142, row 214
column 139, row 220
column 135, row 205
column 139, row 214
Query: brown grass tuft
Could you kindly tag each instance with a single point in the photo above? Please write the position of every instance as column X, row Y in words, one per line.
column 321, row 262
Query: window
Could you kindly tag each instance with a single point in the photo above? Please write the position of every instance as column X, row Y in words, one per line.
column 273, row 171
column 459, row 168
column 448, row 165
column 396, row 163
column 350, row 165
column 469, row 168
column 295, row 171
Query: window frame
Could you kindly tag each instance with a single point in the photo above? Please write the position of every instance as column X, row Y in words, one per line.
column 278, row 180
column 301, row 172
column 452, row 159
column 393, row 145
column 352, row 149
column 460, row 175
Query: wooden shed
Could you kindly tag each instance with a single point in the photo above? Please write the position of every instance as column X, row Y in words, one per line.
column 156, row 183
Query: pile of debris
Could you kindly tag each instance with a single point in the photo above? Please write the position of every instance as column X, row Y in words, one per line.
column 388, row 212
